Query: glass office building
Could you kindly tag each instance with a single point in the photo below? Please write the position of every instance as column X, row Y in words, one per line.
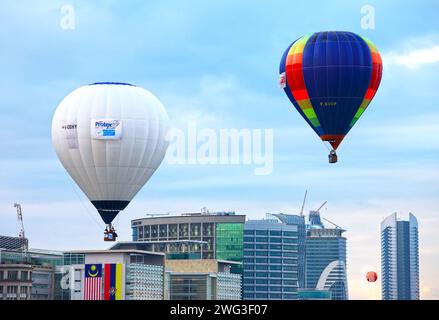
column 299, row 221
column 326, row 258
column 270, row 260
column 399, row 258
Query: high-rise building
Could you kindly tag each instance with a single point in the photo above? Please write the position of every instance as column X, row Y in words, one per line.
column 326, row 258
column 399, row 258
column 299, row 221
column 270, row 260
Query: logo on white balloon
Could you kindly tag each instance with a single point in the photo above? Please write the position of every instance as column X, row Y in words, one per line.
column 106, row 129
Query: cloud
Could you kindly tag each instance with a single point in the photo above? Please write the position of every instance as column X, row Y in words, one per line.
column 413, row 58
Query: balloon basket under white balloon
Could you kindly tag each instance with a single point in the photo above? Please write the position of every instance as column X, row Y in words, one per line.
column 109, row 233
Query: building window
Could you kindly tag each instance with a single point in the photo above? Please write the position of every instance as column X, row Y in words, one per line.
column 173, row 231
column 290, row 289
column 163, row 232
column 147, row 232
column 261, row 267
column 184, row 231
column 248, row 296
column 195, row 230
column 288, row 261
column 275, row 253
column 208, row 229
column 262, row 232
column 154, row 232
column 275, row 233
column 261, row 253
column 24, row 275
column 261, row 274
column 276, row 288
column 275, row 274
column 12, row 275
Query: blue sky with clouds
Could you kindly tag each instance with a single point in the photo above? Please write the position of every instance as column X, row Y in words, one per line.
column 216, row 63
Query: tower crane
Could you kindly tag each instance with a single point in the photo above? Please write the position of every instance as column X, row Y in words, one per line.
column 336, row 226
column 318, row 210
column 303, row 204
column 21, row 235
column 324, row 203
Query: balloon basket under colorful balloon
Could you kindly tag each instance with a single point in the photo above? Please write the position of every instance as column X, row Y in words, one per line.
column 333, row 158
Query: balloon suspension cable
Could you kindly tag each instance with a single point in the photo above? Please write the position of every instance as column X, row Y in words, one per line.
column 84, row 206
column 327, row 145
column 116, row 221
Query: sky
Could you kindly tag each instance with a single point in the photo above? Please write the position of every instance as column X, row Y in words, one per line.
column 215, row 63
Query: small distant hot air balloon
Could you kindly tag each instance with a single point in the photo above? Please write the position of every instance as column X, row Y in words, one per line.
column 371, row 276
column 110, row 137
column 331, row 77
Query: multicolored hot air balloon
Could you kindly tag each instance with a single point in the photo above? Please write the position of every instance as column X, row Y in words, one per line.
column 371, row 276
column 331, row 78
column 110, row 137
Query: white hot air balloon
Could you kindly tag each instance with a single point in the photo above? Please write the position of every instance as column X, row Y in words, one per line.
column 110, row 137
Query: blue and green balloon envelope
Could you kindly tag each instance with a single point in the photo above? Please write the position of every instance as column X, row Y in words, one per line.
column 331, row 77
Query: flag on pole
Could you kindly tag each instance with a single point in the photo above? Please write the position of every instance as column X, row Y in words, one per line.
column 93, row 282
column 113, row 281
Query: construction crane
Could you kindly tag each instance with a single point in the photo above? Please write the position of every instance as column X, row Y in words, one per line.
column 318, row 210
column 336, row 226
column 21, row 235
column 303, row 204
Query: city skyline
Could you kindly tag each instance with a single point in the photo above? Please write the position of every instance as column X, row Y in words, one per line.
column 216, row 64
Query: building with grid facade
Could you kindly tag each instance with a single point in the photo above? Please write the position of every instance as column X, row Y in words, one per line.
column 326, row 258
column 399, row 258
column 205, row 235
column 270, row 260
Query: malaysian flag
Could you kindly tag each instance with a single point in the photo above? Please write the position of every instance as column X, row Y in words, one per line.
column 93, row 282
